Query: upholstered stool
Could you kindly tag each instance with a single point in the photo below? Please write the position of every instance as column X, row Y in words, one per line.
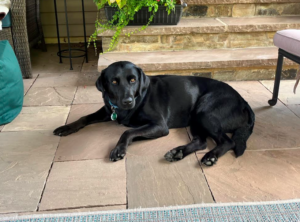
column 288, row 42
column 11, row 84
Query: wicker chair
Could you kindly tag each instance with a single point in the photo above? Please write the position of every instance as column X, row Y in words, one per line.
column 17, row 34
column 34, row 25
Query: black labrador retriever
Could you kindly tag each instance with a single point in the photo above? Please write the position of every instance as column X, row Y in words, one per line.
column 154, row 104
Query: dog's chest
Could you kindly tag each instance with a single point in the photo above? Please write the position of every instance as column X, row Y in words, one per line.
column 129, row 123
column 131, row 120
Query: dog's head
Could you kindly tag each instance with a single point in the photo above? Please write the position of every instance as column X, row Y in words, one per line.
column 123, row 82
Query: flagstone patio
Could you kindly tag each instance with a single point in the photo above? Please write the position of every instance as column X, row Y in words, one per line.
column 40, row 172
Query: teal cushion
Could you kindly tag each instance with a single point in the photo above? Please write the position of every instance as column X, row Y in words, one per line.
column 11, row 84
column 6, row 22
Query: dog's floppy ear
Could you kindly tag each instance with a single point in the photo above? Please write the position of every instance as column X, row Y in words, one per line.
column 100, row 83
column 144, row 81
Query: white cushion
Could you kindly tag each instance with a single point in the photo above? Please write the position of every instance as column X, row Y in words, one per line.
column 288, row 40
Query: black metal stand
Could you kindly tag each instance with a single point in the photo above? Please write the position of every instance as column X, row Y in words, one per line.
column 281, row 54
column 59, row 53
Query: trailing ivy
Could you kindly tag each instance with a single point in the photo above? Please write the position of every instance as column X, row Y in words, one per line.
column 125, row 14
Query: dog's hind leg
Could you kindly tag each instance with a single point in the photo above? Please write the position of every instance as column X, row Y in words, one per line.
column 180, row 152
column 212, row 127
column 241, row 135
column 223, row 146
column 198, row 143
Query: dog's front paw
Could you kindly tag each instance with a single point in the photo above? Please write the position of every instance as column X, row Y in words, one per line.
column 175, row 154
column 209, row 159
column 64, row 130
column 117, row 154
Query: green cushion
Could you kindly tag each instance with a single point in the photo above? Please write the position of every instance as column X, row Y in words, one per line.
column 6, row 22
column 11, row 84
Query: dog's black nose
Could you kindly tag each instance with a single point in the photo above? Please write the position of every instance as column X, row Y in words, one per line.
column 127, row 101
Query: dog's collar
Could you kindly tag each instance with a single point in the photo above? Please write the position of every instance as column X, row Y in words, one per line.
column 113, row 107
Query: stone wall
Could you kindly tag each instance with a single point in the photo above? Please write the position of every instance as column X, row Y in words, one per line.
column 241, row 10
column 191, row 41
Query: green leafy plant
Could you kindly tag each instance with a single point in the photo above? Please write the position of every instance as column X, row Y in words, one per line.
column 124, row 14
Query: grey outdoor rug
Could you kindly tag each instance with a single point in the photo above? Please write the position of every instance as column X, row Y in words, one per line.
column 261, row 211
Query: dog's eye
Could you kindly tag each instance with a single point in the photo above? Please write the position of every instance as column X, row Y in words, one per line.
column 114, row 82
column 132, row 81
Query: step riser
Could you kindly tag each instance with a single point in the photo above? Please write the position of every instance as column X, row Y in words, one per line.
column 191, row 42
column 241, row 10
column 234, row 74
column 237, row 68
column 246, row 74
column 222, row 64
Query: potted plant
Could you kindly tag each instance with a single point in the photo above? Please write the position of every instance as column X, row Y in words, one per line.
column 121, row 13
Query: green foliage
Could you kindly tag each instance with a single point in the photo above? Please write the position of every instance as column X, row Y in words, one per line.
column 125, row 14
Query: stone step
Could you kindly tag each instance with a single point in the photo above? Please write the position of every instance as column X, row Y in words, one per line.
column 221, row 64
column 204, row 33
column 240, row 8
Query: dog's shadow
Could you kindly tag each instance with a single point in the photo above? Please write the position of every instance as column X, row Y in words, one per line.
column 261, row 109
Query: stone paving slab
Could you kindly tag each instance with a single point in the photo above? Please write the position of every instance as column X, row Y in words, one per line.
column 86, row 209
column 261, row 24
column 159, row 147
column 39, row 118
column 90, row 77
column 90, row 67
column 275, row 127
column 80, row 110
column 77, row 184
column 48, row 62
column 27, row 84
column 256, row 176
column 25, row 160
column 88, row 94
column 57, row 79
column 286, row 88
column 93, row 142
column 77, row 210
column 295, row 109
column 50, row 96
column 157, row 183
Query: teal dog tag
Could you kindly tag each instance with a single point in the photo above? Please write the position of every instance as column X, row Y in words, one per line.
column 113, row 116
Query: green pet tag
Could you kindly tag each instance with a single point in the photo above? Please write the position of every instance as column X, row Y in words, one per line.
column 113, row 115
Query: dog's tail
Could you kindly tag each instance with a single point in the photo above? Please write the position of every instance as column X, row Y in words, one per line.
column 241, row 135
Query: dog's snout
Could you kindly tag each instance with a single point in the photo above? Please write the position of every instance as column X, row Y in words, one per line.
column 127, row 101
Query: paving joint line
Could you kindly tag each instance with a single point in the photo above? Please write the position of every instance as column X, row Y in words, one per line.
column 211, row 193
